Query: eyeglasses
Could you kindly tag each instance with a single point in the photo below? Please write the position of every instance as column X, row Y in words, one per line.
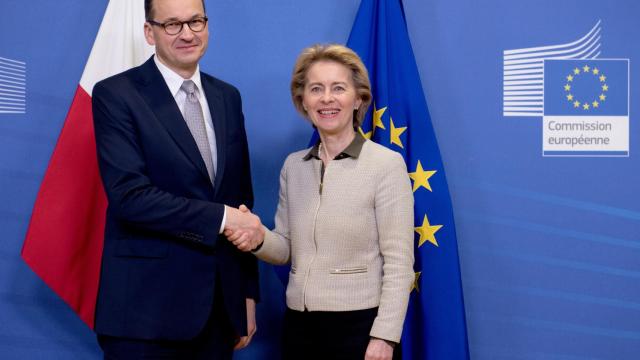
column 174, row 27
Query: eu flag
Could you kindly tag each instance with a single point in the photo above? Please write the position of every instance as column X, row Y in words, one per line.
column 586, row 107
column 399, row 119
column 593, row 87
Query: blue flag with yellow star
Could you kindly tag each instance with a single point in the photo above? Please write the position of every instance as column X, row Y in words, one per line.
column 586, row 107
column 435, row 326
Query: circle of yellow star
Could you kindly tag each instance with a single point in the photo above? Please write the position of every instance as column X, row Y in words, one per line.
column 416, row 285
column 576, row 72
column 376, row 122
column 421, row 177
column 367, row 135
column 377, row 118
column 395, row 132
column 427, row 232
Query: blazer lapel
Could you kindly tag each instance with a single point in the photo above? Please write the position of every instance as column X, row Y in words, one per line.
column 215, row 100
column 155, row 92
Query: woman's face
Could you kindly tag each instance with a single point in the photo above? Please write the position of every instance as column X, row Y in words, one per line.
column 330, row 97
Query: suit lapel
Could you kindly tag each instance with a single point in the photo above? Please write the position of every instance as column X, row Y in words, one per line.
column 215, row 100
column 154, row 90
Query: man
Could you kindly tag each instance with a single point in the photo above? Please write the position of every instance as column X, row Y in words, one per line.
column 174, row 162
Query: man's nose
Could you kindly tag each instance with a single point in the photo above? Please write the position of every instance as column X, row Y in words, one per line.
column 186, row 32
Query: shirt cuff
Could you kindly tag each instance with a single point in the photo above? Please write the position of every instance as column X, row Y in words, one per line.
column 224, row 220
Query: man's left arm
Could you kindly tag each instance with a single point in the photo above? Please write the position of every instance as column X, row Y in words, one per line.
column 249, row 262
column 251, row 325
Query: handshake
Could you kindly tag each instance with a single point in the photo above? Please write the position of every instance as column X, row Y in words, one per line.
column 243, row 229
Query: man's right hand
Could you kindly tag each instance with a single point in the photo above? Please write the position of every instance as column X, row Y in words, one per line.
column 243, row 229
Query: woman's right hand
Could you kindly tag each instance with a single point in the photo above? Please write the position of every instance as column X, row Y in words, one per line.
column 243, row 229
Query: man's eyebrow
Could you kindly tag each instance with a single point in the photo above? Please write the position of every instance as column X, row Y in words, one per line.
column 174, row 18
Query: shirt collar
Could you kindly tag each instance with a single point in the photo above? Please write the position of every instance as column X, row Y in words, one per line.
column 352, row 150
column 173, row 80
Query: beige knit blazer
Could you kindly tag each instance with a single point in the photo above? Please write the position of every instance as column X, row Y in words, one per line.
column 351, row 247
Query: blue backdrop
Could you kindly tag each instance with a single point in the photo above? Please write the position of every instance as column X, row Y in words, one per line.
column 549, row 246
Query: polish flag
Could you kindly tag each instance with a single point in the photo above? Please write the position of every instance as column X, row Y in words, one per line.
column 63, row 245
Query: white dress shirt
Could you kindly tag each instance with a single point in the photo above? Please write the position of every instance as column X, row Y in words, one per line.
column 174, row 82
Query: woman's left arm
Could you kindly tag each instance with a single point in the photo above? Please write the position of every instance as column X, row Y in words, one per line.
column 394, row 217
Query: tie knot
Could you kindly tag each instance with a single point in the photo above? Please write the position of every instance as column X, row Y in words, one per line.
column 189, row 87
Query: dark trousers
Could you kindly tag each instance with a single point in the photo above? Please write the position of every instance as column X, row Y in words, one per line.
column 342, row 335
column 215, row 342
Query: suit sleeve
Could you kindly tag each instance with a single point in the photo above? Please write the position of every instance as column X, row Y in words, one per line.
column 250, row 263
column 133, row 198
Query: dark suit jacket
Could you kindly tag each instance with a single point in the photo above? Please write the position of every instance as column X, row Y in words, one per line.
column 162, row 253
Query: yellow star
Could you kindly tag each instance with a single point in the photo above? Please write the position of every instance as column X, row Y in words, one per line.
column 605, row 87
column 395, row 133
column 576, row 71
column 416, row 284
column 367, row 135
column 586, row 68
column 570, row 78
column 427, row 232
column 602, row 78
column 377, row 118
column 421, row 178
column 596, row 71
column 569, row 97
column 576, row 104
column 603, row 97
column 595, row 104
column 567, row 87
column 585, row 106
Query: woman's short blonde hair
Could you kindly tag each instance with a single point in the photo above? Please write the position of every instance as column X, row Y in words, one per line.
column 341, row 55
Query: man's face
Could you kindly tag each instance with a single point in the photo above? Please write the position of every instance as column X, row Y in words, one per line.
column 180, row 52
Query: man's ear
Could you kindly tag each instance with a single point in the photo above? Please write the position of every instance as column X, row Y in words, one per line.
column 148, row 34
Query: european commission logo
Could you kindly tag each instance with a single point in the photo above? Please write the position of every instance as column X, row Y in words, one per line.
column 583, row 99
column 13, row 86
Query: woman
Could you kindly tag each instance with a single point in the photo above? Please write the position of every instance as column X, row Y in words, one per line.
column 344, row 221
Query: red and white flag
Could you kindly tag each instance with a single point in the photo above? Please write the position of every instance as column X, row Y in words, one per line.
column 64, row 240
